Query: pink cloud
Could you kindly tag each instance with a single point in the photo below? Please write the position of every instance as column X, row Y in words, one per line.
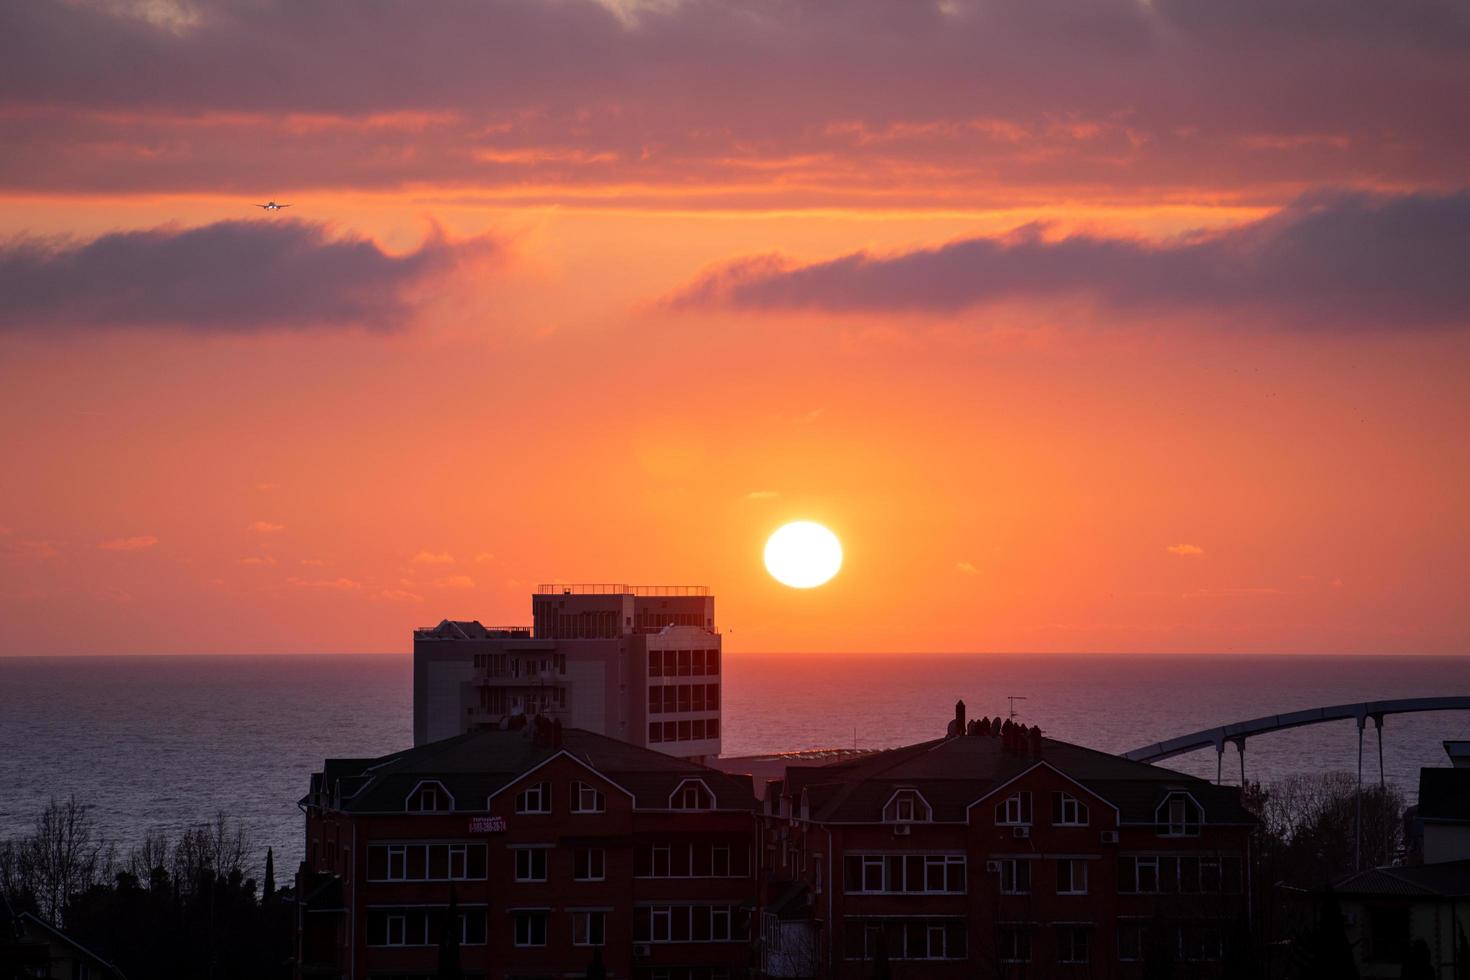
column 138, row 543
column 266, row 527
column 1185, row 550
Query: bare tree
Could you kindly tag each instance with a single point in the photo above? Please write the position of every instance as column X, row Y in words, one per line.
column 63, row 856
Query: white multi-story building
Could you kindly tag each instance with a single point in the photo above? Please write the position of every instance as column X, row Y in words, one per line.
column 639, row 663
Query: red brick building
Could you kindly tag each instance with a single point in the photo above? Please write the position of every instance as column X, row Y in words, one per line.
column 552, row 846
column 1012, row 854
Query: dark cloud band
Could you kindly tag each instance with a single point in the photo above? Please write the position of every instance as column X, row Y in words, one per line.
column 233, row 276
column 1327, row 258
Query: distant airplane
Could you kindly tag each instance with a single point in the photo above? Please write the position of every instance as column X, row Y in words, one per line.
column 273, row 206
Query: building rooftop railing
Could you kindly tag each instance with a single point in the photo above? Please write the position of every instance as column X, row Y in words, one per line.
column 493, row 632
column 601, row 588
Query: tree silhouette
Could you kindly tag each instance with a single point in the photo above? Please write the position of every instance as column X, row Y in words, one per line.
column 449, row 968
column 1418, row 964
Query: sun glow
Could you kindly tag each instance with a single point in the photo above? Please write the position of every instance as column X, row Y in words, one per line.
column 803, row 555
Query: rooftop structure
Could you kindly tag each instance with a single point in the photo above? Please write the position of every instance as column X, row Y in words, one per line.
column 639, row 663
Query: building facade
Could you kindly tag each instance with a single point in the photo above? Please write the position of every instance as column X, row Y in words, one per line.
column 637, row 663
column 541, row 848
column 1426, row 899
column 996, row 852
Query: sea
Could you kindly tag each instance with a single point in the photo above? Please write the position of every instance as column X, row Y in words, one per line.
column 166, row 742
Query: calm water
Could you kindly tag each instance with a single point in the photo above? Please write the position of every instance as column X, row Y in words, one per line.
column 166, row 741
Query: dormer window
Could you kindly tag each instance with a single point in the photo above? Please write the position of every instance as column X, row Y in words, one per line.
column 587, row 799
column 1179, row 816
column 1068, row 811
column 429, row 798
column 535, row 798
column 907, row 806
column 1014, row 810
column 692, row 794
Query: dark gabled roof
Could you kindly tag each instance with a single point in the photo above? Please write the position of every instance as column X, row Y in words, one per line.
column 1450, row 879
column 952, row 773
column 31, row 921
column 1444, row 794
column 477, row 764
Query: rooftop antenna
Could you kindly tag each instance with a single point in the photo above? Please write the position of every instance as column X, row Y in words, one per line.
column 1013, row 698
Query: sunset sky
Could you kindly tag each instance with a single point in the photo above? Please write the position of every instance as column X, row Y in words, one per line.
column 1086, row 325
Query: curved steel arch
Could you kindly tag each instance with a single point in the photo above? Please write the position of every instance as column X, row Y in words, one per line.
column 1238, row 732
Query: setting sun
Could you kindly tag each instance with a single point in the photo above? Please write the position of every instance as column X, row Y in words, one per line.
column 803, row 555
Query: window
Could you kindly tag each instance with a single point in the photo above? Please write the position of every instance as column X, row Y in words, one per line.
column 684, row 663
column 1200, row 942
column 590, row 864
column 587, row 799
column 684, row 697
column 1179, row 816
column 697, row 726
column 1072, row 942
column 426, row 862
column 655, row 700
column 712, row 697
column 691, row 795
column 698, row 670
column 1130, row 942
column 428, row 798
column 655, row 731
column 589, row 928
column 397, row 930
column 905, row 873
column 719, row 923
column 697, row 696
column 720, row 861
column 1015, row 945
column 712, row 728
column 662, row 917
column 712, row 662
column 1015, row 876
column 1014, row 809
column 535, row 798
column 662, row 861
column 1068, row 811
column 655, row 663
column 1071, row 876
column 530, row 863
column 1138, row 874
column 906, row 806
column 530, row 928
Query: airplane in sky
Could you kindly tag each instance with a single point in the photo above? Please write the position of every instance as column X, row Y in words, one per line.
column 273, row 206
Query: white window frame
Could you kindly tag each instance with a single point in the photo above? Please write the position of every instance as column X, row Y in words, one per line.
column 402, row 922
column 600, row 862
column 542, row 794
column 582, row 927
column 528, row 919
column 530, row 869
column 1011, row 867
column 1074, row 866
column 718, row 914
column 1015, row 810
column 1068, row 953
column 580, row 799
column 1080, row 816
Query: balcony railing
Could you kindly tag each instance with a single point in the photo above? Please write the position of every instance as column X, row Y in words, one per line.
column 582, row 588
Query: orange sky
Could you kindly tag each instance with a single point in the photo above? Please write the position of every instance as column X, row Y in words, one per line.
column 1210, row 402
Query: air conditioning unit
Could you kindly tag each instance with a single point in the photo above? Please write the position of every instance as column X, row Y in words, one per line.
column 1110, row 837
column 643, row 951
column 1021, row 832
column 993, row 866
column 902, row 830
